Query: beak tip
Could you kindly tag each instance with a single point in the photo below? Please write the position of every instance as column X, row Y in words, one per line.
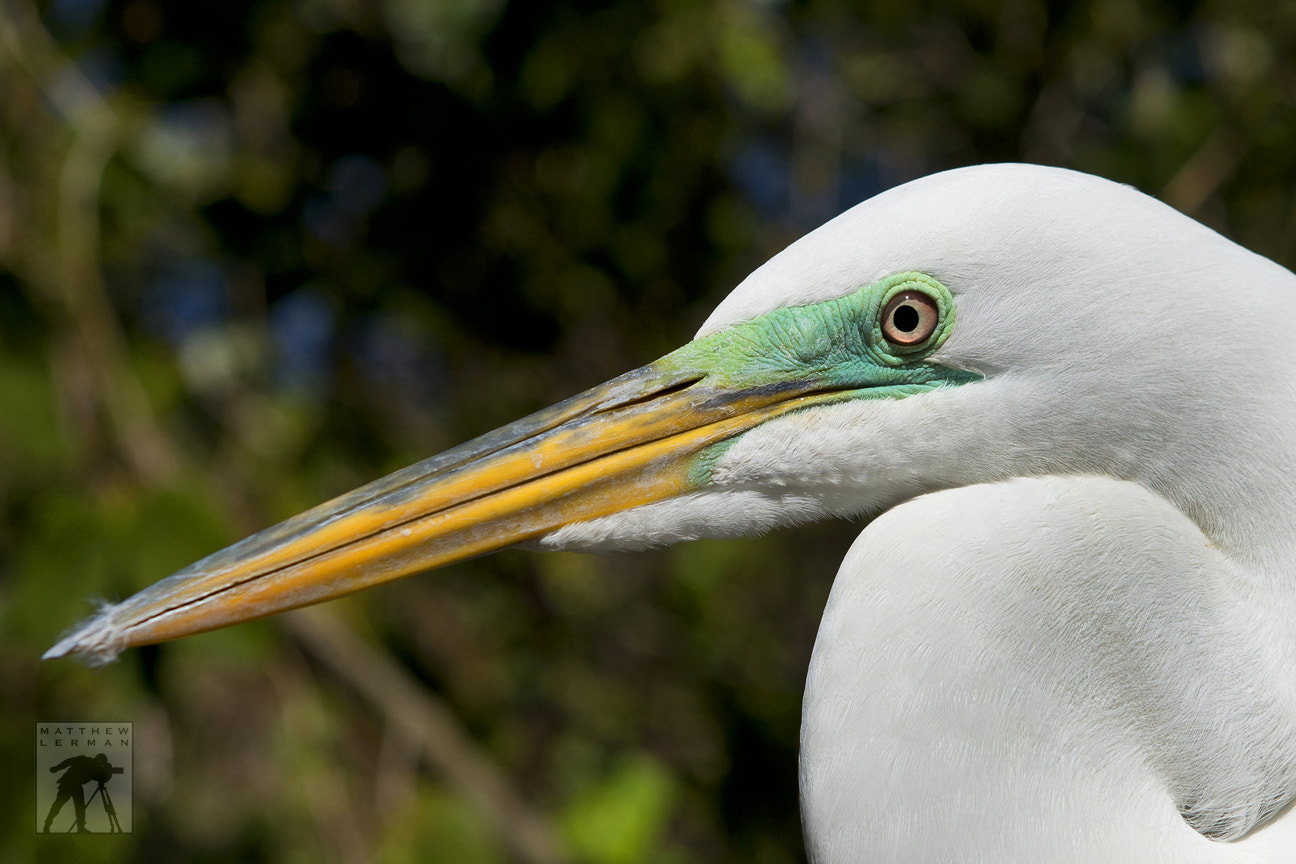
column 96, row 641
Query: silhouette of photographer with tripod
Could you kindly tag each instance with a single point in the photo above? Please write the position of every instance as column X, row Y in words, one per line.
column 82, row 770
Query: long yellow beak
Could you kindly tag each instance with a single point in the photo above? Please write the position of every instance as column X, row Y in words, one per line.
column 651, row 434
column 637, row 439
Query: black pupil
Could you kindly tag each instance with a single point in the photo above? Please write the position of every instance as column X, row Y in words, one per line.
column 905, row 318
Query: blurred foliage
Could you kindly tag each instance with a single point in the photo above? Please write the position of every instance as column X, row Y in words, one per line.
column 256, row 253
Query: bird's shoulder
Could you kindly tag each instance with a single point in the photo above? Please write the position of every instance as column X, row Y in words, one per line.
column 1078, row 603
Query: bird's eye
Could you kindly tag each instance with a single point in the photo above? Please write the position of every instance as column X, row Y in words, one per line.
column 909, row 319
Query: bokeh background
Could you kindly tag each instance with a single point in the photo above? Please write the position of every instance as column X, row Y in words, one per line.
column 253, row 254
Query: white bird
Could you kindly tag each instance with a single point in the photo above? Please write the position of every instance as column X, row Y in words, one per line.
column 1069, row 634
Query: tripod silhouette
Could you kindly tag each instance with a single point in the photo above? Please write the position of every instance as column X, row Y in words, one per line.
column 114, row 827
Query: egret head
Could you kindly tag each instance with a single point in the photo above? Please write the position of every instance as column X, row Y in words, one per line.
column 979, row 324
column 1090, row 330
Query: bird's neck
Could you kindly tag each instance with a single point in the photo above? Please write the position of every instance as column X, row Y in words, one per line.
column 1008, row 670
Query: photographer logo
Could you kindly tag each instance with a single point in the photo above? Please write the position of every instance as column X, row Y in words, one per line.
column 89, row 766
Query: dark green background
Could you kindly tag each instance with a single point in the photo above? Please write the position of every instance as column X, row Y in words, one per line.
column 254, row 254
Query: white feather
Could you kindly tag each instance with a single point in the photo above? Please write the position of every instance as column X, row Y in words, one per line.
column 1046, row 669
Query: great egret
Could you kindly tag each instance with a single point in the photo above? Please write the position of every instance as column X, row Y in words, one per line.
column 1071, row 633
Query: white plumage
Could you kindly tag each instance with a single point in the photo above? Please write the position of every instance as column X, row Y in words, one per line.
column 1041, row 669
column 1070, row 636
